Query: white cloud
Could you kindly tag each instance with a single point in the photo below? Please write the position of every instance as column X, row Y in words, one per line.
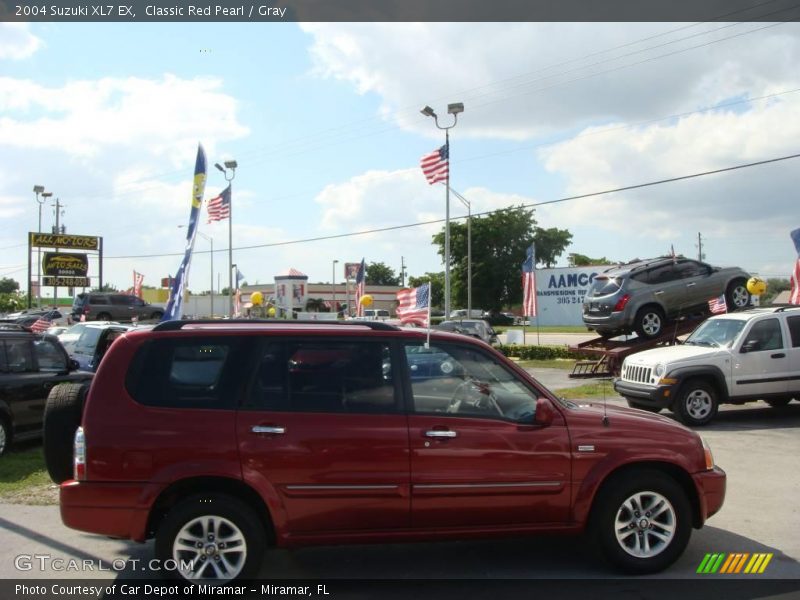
column 17, row 42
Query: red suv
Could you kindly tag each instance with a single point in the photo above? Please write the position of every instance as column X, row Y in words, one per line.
column 222, row 438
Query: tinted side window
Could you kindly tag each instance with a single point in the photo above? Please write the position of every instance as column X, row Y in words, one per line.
column 50, row 356
column 185, row 373
column 794, row 330
column 336, row 377
column 120, row 300
column 18, row 356
column 689, row 269
column 98, row 300
column 766, row 335
column 662, row 274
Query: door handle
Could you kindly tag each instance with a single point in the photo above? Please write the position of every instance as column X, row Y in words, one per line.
column 268, row 429
column 440, row 434
column 694, row 283
column 658, row 293
column 778, row 355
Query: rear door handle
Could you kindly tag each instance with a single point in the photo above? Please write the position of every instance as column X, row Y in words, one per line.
column 278, row 430
column 778, row 355
column 440, row 434
column 694, row 283
column 658, row 293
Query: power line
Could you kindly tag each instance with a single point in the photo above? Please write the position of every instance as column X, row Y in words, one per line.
column 488, row 212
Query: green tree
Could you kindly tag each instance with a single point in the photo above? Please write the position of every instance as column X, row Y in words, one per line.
column 12, row 302
column 437, row 286
column 8, row 286
column 381, row 274
column 581, row 260
column 106, row 287
column 499, row 243
column 775, row 285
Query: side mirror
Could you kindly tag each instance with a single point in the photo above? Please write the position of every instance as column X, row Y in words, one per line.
column 545, row 413
column 751, row 346
column 73, row 365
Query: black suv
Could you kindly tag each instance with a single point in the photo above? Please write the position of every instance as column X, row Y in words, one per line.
column 103, row 306
column 30, row 366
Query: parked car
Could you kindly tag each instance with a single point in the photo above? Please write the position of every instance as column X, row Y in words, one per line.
column 477, row 328
column 93, row 342
column 56, row 317
column 221, row 438
column 31, row 365
column 642, row 296
column 463, row 313
column 738, row 357
column 104, row 306
column 501, row 318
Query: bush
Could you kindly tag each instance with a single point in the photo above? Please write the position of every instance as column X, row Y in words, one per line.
column 538, row 352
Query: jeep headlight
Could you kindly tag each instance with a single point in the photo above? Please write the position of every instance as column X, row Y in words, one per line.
column 660, row 369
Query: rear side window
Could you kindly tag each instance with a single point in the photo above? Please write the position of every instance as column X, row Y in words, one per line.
column 603, row 286
column 98, row 300
column 185, row 373
column 17, row 356
column 335, row 377
column 794, row 330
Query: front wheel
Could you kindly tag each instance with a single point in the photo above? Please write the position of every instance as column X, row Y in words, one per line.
column 5, row 435
column 696, row 403
column 211, row 537
column 642, row 521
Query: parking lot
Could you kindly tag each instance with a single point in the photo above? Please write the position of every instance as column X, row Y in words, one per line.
column 757, row 445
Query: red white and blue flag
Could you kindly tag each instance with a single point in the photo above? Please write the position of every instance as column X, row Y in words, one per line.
column 794, row 295
column 219, row 207
column 361, row 280
column 138, row 278
column 40, row 325
column 529, row 283
column 718, row 306
column 436, row 165
column 414, row 304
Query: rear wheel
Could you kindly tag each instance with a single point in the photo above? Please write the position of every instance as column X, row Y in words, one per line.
column 640, row 406
column 736, row 296
column 156, row 315
column 212, row 536
column 5, row 435
column 62, row 417
column 649, row 322
column 641, row 521
column 696, row 403
column 103, row 316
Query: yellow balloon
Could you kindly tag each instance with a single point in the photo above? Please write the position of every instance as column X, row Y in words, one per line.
column 256, row 298
column 271, row 311
column 366, row 300
column 756, row 286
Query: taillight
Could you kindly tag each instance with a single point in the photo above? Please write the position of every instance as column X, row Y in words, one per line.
column 620, row 305
column 79, row 456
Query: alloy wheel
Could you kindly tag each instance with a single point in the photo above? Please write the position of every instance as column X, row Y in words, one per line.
column 645, row 524
column 210, row 547
column 698, row 404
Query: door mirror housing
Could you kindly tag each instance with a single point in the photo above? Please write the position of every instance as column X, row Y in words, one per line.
column 545, row 413
column 73, row 365
column 751, row 346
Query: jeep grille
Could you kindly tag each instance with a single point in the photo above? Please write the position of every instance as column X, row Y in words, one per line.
column 637, row 374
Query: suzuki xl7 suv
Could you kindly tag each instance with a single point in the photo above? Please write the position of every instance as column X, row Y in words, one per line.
column 220, row 439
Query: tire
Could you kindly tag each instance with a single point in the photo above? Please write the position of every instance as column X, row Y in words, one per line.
column 5, row 435
column 62, row 416
column 696, row 404
column 641, row 521
column 736, row 296
column 156, row 315
column 104, row 316
column 640, row 406
column 778, row 402
column 200, row 517
column 649, row 322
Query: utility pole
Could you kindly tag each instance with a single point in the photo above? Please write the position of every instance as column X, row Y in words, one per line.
column 700, row 255
column 57, row 231
column 402, row 271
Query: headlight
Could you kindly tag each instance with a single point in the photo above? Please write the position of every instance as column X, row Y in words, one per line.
column 659, row 370
column 709, row 456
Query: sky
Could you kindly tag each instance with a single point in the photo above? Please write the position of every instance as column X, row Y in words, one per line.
column 323, row 120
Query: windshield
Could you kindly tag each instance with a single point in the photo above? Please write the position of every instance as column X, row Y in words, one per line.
column 716, row 332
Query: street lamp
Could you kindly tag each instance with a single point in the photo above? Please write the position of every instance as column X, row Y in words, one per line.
column 38, row 189
column 229, row 165
column 467, row 203
column 210, row 240
column 333, row 288
column 454, row 109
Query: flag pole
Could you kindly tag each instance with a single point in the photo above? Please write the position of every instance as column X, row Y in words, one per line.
column 430, row 301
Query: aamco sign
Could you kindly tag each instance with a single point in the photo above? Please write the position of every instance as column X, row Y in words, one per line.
column 560, row 293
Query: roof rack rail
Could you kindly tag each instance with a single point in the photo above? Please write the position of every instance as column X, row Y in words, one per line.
column 785, row 307
column 14, row 326
column 179, row 324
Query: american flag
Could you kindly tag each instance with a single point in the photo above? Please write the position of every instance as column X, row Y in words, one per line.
column 219, row 207
column 41, row 325
column 360, row 285
column 413, row 307
column 794, row 295
column 529, row 283
column 718, row 305
column 435, row 165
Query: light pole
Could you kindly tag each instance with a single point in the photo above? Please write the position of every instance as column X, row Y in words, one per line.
column 210, row 240
column 454, row 109
column 333, row 288
column 466, row 203
column 39, row 189
column 229, row 165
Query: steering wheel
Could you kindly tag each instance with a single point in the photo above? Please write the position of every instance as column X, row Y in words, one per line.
column 476, row 395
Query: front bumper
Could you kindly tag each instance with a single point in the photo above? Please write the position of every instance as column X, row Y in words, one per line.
column 711, row 487
column 660, row 396
column 118, row 510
